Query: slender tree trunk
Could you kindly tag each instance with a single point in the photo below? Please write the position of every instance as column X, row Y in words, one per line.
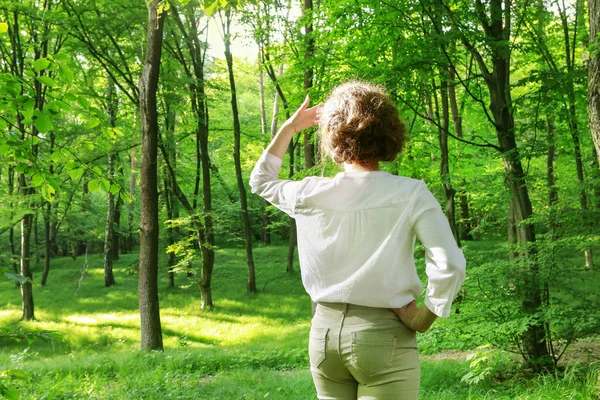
column 27, row 287
column 274, row 121
column 11, row 231
column 273, row 130
column 169, row 200
column 204, row 231
column 465, row 218
column 36, row 239
column 594, row 74
column 48, row 226
column 129, row 242
column 551, row 176
column 168, row 193
column 309, row 146
column 279, row 91
column 261, row 94
column 449, row 191
column 251, row 287
column 292, row 222
column 109, row 278
column 117, row 226
column 572, row 116
column 47, row 244
column 150, row 326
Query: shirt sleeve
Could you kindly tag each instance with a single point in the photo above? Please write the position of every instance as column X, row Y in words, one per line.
column 445, row 262
column 264, row 181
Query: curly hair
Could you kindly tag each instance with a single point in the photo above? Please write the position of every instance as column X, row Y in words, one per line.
column 359, row 124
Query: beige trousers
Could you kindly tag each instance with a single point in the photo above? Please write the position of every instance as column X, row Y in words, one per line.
column 359, row 352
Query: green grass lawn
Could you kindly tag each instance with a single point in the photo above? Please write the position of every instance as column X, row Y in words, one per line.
column 247, row 347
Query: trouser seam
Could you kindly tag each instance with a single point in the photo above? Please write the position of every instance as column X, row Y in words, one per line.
column 339, row 342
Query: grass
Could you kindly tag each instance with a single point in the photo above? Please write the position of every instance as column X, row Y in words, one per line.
column 247, row 347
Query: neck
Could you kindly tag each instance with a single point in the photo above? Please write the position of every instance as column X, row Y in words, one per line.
column 371, row 166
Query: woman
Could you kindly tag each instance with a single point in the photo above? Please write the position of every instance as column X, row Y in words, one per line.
column 356, row 235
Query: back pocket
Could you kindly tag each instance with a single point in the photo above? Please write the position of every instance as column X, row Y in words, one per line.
column 317, row 346
column 372, row 352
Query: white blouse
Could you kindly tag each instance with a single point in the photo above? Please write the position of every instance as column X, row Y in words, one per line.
column 356, row 235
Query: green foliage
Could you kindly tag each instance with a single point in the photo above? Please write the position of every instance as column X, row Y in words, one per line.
column 487, row 363
column 249, row 346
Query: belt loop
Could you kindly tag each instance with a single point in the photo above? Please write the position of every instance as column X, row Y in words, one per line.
column 345, row 308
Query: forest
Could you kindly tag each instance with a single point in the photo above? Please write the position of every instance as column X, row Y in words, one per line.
column 128, row 130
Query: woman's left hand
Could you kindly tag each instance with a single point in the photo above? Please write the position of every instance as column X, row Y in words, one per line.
column 415, row 318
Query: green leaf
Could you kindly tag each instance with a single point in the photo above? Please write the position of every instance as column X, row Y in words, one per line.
column 70, row 97
column 65, row 73
column 29, row 104
column 13, row 88
column 114, row 189
column 40, row 64
column 83, row 102
column 92, row 123
column 162, row 7
column 3, row 27
column 105, row 184
column 18, row 374
column 56, row 156
column 76, row 173
column 37, row 180
column 9, row 393
column 48, row 192
column 27, row 114
column 93, row 185
column 4, row 149
column 210, row 7
column 43, row 124
column 46, row 80
column 15, row 277
column 63, row 106
column 61, row 57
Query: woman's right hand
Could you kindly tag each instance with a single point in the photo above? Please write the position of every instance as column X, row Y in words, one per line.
column 304, row 117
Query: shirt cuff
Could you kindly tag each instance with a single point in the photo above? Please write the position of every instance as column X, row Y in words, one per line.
column 440, row 307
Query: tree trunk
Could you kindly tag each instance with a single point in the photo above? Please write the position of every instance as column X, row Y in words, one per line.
column 48, row 226
column 150, row 326
column 261, row 94
column 204, row 232
column 266, row 217
column 117, row 226
column 169, row 200
column 449, row 191
column 293, row 238
column 594, row 74
column 36, row 240
column 251, row 286
column 129, row 242
column 572, row 114
column 27, row 287
column 465, row 218
column 11, row 231
column 47, row 244
column 309, row 146
column 109, row 278
column 497, row 26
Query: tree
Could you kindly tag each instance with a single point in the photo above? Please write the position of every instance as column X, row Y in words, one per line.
column 148, row 271
column 594, row 73
column 251, row 286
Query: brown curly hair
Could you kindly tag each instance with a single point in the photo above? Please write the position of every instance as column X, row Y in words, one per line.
column 359, row 124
